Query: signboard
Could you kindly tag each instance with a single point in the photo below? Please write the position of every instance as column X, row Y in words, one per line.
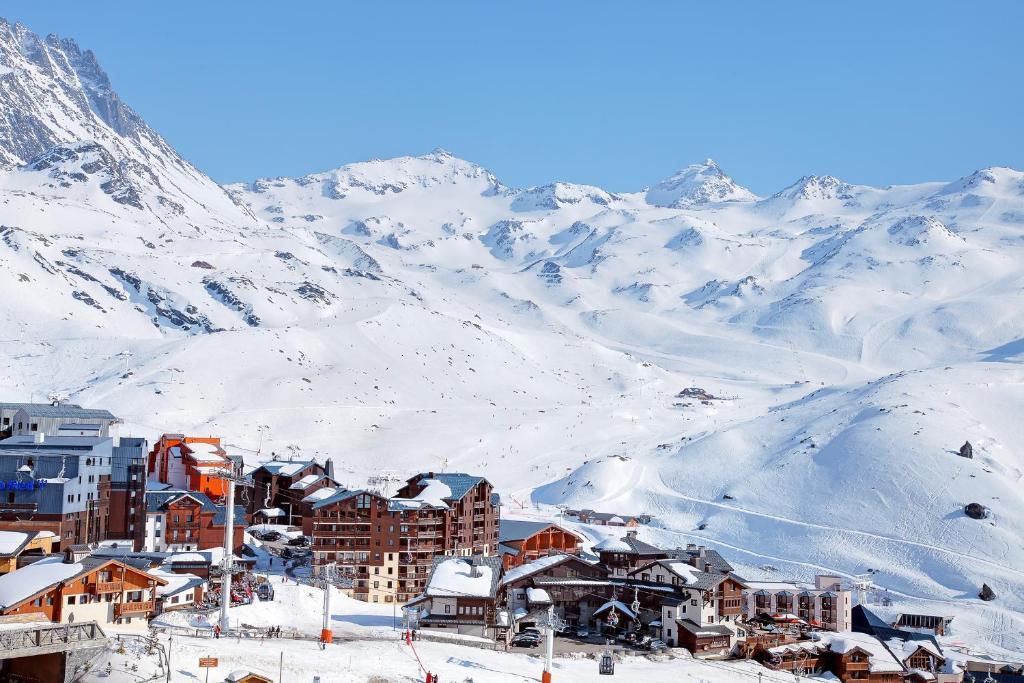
column 207, row 662
column 18, row 485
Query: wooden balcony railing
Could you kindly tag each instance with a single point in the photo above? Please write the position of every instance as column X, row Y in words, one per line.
column 108, row 586
column 122, row 608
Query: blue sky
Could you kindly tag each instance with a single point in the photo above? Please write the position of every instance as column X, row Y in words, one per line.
column 615, row 94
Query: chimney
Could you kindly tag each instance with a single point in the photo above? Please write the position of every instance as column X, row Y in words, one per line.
column 631, row 533
column 329, row 468
column 691, row 546
column 40, row 437
column 474, row 568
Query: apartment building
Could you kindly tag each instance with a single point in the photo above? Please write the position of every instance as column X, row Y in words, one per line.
column 825, row 604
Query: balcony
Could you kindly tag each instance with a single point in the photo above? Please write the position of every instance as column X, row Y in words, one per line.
column 125, row 608
column 108, row 587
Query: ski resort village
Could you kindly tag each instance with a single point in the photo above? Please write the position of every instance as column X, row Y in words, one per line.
column 418, row 420
column 117, row 551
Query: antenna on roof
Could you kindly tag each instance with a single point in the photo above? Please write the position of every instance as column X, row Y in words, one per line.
column 444, row 462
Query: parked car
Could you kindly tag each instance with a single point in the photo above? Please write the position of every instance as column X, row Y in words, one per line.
column 525, row 640
column 656, row 645
column 271, row 536
column 530, row 630
column 298, row 541
column 582, row 632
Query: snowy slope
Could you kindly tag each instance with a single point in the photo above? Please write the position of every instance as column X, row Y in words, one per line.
column 397, row 314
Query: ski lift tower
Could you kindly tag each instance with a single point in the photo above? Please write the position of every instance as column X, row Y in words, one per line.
column 862, row 583
column 227, row 566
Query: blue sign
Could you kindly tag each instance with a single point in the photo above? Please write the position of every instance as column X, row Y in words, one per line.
column 29, row 485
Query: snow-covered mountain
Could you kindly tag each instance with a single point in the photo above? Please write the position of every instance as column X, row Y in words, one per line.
column 397, row 314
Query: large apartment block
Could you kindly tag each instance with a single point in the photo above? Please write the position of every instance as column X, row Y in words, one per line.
column 386, row 547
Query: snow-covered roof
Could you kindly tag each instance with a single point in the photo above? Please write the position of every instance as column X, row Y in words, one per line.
column 320, row 494
column 306, row 481
column 23, row 583
column 905, row 648
column 176, row 583
column 457, row 576
column 879, row 660
column 285, row 468
column 534, row 567
column 205, row 452
column 271, row 512
column 538, row 596
column 433, row 494
column 13, row 541
column 613, row 545
column 776, row 586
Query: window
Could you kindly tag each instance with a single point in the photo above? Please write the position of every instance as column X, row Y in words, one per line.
column 35, row 426
column 71, row 599
column 693, row 603
column 447, row 609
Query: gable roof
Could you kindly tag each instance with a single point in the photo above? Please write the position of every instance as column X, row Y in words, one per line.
column 13, row 542
column 688, row 575
column 712, row 557
column 452, row 577
column 337, row 497
column 459, row 482
column 521, row 529
column 284, row 468
column 628, row 544
column 537, row 566
column 46, row 573
column 66, row 410
column 157, row 501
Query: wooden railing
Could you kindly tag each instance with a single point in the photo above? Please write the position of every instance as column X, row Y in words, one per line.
column 122, row 608
column 108, row 586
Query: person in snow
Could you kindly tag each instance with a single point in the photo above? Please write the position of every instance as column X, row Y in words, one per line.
column 216, row 631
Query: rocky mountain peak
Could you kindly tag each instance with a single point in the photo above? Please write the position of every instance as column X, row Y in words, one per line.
column 698, row 184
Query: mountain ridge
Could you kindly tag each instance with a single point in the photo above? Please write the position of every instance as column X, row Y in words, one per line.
column 548, row 336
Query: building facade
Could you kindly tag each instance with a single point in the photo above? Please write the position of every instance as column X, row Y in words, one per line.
column 59, row 484
column 521, row 542
column 184, row 521
column 825, row 604
column 70, row 587
column 386, row 547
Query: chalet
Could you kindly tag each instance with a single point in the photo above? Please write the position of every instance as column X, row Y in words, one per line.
column 700, row 609
column 622, row 555
column 186, row 520
column 573, row 585
column 243, row 676
column 823, row 605
column 607, row 518
column 462, row 594
column 77, row 587
column 522, row 541
column 15, row 544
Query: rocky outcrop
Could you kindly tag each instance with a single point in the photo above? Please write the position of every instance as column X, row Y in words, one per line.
column 967, row 450
column 976, row 511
